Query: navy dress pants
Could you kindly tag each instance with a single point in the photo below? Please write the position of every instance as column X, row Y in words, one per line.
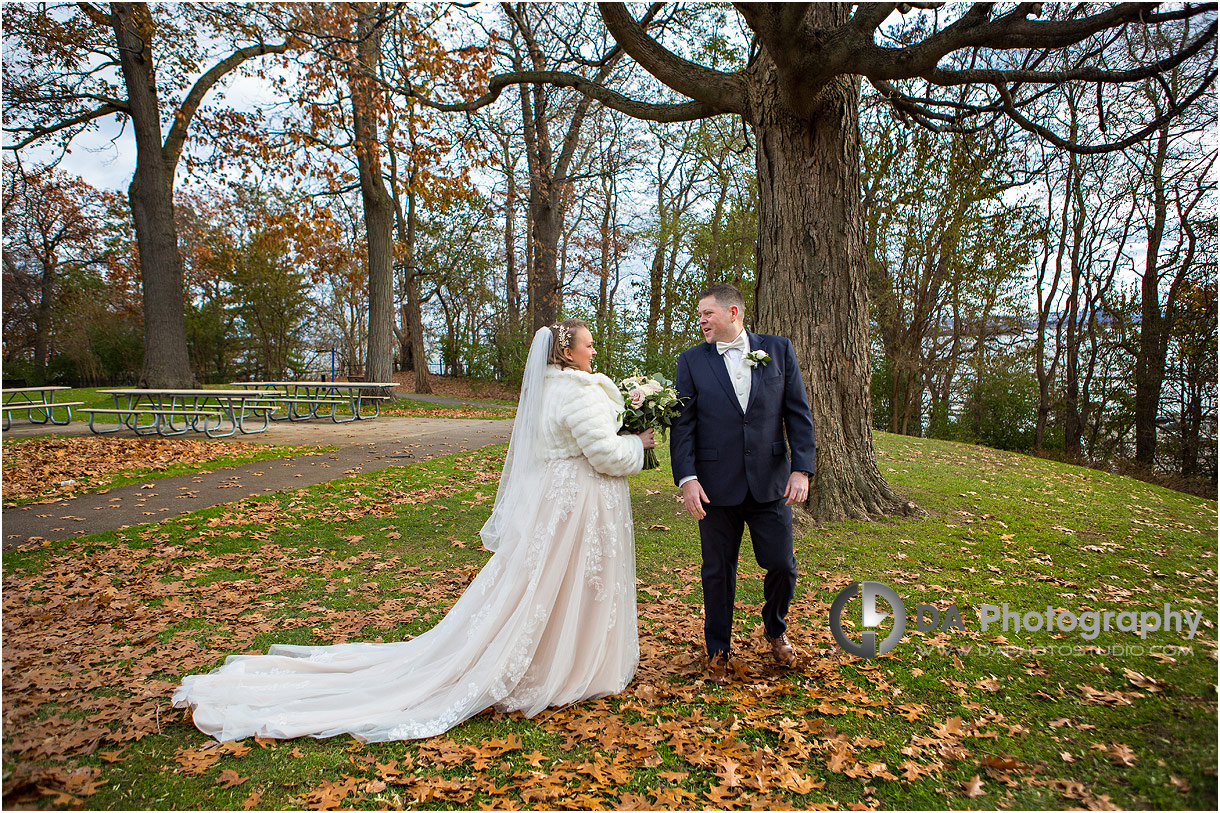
column 720, row 534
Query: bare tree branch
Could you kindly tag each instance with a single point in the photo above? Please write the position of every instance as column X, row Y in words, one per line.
column 95, row 14
column 1011, row 31
column 176, row 137
column 1071, row 146
column 950, row 78
column 36, row 133
column 717, row 91
column 687, row 111
column 870, row 15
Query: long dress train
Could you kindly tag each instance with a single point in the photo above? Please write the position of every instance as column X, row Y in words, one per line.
column 510, row 641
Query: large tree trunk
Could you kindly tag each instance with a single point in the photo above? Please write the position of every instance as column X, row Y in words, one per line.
column 151, row 193
column 511, row 294
column 415, row 305
column 42, row 316
column 378, row 206
column 542, row 274
column 403, row 333
column 713, row 253
column 812, row 284
column 656, row 286
column 1072, row 427
column 548, row 174
column 411, row 335
column 1192, row 417
column 1150, row 363
column 603, row 287
column 544, row 302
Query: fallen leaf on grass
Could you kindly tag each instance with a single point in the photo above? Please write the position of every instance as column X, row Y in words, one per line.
column 1148, row 684
column 951, row 728
column 232, row 748
column 974, row 787
column 230, row 779
column 632, row 801
column 990, row 684
column 1121, row 754
column 839, row 760
column 330, row 795
column 720, row 796
column 83, row 781
column 195, row 761
column 1103, row 698
column 727, row 769
column 499, row 747
column 49, row 467
column 801, row 785
column 1000, row 763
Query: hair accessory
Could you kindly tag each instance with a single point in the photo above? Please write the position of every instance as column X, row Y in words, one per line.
column 565, row 335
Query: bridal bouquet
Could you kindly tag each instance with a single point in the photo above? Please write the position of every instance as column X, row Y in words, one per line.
column 650, row 402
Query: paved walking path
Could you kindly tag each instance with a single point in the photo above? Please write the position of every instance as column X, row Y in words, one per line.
column 362, row 446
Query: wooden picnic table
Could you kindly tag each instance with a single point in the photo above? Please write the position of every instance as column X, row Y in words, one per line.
column 314, row 395
column 175, row 412
column 35, row 401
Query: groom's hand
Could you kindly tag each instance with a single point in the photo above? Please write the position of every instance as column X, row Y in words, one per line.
column 798, row 488
column 693, row 498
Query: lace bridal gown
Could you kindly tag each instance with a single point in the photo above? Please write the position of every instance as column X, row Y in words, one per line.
column 550, row 620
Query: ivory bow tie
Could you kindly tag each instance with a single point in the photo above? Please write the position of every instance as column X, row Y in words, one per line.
column 737, row 344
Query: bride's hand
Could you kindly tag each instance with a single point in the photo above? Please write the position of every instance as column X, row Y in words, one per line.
column 649, row 441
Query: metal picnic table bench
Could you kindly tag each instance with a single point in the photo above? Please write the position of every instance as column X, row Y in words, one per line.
column 38, row 403
column 304, row 400
column 176, row 412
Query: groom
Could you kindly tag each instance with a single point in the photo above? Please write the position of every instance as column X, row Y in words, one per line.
column 740, row 392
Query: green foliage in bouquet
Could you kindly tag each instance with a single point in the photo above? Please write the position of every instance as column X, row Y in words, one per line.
column 649, row 402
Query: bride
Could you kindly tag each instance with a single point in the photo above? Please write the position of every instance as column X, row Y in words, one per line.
column 550, row 620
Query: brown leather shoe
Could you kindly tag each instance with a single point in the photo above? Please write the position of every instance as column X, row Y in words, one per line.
column 718, row 670
column 782, row 649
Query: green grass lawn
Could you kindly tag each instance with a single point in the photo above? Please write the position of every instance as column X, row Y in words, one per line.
column 405, row 406
column 98, row 631
column 92, row 398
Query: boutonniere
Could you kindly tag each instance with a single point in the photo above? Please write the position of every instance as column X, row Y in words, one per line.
column 757, row 358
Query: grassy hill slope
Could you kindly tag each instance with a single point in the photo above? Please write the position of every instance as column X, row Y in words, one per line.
column 98, row 631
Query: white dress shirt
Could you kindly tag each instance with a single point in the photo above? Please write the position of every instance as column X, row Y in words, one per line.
column 740, row 376
column 739, row 371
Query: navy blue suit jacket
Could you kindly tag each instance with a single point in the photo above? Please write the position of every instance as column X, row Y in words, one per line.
column 728, row 449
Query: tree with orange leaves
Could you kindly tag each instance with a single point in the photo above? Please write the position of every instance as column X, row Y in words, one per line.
column 68, row 275
column 353, row 134
column 73, row 65
column 49, row 226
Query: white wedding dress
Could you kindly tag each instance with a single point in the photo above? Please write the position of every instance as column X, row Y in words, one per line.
column 550, row 620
